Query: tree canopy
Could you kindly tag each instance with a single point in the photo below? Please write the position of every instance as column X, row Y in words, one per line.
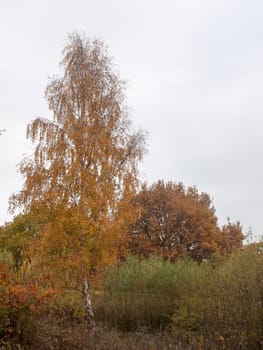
column 84, row 168
column 174, row 221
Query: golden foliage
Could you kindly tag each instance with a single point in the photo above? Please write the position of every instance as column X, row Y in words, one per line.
column 83, row 172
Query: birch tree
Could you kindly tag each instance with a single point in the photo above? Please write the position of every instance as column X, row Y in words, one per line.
column 84, row 167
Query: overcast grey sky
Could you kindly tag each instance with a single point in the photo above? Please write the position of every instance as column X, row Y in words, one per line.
column 195, row 83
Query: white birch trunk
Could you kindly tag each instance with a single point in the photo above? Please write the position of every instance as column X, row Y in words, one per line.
column 88, row 305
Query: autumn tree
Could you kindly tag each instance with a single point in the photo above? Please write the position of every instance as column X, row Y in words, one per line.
column 174, row 221
column 232, row 237
column 84, row 169
column 16, row 236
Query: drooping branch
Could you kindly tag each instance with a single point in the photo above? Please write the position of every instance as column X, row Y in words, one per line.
column 84, row 167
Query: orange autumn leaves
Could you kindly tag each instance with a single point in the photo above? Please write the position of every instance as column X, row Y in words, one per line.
column 84, row 168
column 15, row 296
column 175, row 221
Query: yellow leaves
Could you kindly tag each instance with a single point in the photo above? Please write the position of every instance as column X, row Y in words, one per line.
column 83, row 171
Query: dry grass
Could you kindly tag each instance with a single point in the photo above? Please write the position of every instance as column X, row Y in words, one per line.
column 79, row 337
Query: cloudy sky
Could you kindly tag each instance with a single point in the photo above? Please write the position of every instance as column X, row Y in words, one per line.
column 195, row 83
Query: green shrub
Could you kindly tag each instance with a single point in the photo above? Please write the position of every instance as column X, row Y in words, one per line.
column 219, row 301
column 6, row 258
column 140, row 293
column 67, row 307
column 225, row 298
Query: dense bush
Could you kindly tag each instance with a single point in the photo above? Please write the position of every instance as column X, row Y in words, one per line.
column 6, row 258
column 18, row 303
column 141, row 293
column 216, row 300
column 225, row 298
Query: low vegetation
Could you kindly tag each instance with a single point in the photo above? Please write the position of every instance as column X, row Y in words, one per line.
column 216, row 299
column 151, row 303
